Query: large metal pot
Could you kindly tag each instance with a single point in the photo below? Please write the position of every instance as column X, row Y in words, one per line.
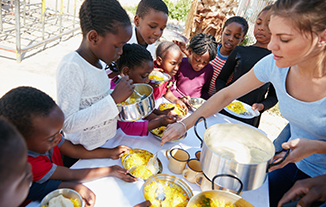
column 141, row 109
column 236, row 150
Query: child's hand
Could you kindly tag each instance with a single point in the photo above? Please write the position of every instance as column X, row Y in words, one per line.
column 183, row 105
column 258, row 106
column 87, row 195
column 181, row 45
column 144, row 204
column 118, row 151
column 168, row 119
column 122, row 90
column 164, row 112
column 121, row 173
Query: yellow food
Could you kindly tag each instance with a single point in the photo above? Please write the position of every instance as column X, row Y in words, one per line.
column 210, row 202
column 61, row 201
column 140, row 160
column 237, row 107
column 177, row 108
column 155, row 77
column 128, row 101
column 159, row 131
column 175, row 196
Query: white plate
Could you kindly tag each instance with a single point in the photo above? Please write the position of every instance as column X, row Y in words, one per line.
column 251, row 113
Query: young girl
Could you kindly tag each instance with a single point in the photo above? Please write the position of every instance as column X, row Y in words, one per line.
column 83, row 88
column 240, row 61
column 297, row 70
column 194, row 75
column 137, row 63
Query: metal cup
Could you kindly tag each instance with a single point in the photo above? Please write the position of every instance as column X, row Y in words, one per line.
column 193, row 169
column 177, row 160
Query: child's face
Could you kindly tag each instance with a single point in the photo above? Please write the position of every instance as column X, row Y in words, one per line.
column 171, row 61
column 232, row 36
column 109, row 48
column 150, row 27
column 46, row 133
column 261, row 31
column 198, row 62
column 15, row 187
column 140, row 74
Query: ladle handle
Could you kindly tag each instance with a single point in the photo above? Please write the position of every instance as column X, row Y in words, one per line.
column 195, row 128
column 279, row 162
column 228, row 175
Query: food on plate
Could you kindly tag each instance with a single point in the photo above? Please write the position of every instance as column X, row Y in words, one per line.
column 159, row 131
column 177, row 108
column 128, row 101
column 61, row 201
column 237, row 107
column 196, row 102
column 140, row 160
column 174, row 194
column 205, row 201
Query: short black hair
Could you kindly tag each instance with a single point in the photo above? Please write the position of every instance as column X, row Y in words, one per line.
column 22, row 104
column 164, row 47
column 102, row 16
column 134, row 55
column 10, row 140
column 200, row 43
column 144, row 7
column 240, row 20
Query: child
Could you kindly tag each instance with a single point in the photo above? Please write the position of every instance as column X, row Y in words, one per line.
column 195, row 73
column 39, row 120
column 150, row 21
column 15, row 172
column 83, row 88
column 233, row 33
column 137, row 63
column 241, row 60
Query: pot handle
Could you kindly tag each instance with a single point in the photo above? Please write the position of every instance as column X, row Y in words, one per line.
column 195, row 129
column 228, row 175
column 279, row 162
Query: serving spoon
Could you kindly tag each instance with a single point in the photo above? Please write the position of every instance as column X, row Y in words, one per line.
column 152, row 161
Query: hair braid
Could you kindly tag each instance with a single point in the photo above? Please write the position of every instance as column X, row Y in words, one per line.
column 201, row 43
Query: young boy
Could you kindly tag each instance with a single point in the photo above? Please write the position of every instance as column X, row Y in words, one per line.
column 15, row 171
column 150, row 21
column 39, row 120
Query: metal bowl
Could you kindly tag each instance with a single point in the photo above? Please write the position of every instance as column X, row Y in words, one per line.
column 165, row 76
column 140, row 109
column 138, row 151
column 159, row 136
column 195, row 103
column 66, row 192
column 219, row 195
column 167, row 180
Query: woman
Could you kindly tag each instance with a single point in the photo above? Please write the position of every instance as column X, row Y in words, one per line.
column 297, row 70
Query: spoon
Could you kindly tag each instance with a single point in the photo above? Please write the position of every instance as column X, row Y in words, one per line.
column 142, row 97
column 152, row 161
column 160, row 194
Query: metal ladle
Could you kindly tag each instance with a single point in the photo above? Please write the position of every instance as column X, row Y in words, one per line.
column 160, row 194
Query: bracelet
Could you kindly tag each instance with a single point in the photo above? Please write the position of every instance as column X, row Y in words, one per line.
column 180, row 122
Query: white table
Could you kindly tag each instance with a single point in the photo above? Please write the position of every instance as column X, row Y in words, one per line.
column 111, row 191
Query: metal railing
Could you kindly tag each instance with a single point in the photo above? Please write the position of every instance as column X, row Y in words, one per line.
column 34, row 25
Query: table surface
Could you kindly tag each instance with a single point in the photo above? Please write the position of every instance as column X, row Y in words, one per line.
column 111, row 191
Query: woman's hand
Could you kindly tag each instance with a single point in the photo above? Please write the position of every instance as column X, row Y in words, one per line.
column 258, row 106
column 118, row 151
column 173, row 131
column 309, row 190
column 121, row 173
column 300, row 149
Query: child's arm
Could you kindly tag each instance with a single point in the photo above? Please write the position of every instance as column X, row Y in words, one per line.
column 171, row 97
column 64, row 173
column 163, row 120
column 87, row 195
column 79, row 152
column 268, row 102
column 182, row 47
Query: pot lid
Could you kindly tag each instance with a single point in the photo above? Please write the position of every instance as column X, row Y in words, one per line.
column 240, row 143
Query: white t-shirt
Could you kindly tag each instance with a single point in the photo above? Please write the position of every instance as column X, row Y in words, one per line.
column 151, row 48
column 83, row 93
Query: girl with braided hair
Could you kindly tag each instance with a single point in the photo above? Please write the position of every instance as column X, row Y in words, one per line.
column 195, row 73
column 83, row 88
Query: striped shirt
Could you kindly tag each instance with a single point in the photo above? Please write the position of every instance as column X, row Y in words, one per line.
column 217, row 64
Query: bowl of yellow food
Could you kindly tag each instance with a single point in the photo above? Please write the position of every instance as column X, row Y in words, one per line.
column 135, row 160
column 178, row 110
column 241, row 110
column 63, row 197
column 176, row 192
column 158, row 78
column 195, row 103
column 158, row 132
column 218, row 198
column 135, row 108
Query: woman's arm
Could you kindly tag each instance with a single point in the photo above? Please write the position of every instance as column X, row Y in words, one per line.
column 216, row 103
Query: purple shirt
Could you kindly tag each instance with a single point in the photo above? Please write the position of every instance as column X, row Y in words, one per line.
column 192, row 83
